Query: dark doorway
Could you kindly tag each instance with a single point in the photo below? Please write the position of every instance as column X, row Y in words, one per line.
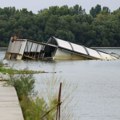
column 49, row 51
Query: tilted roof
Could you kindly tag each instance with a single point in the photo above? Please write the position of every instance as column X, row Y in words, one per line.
column 80, row 49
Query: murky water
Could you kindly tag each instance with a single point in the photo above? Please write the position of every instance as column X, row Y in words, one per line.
column 90, row 91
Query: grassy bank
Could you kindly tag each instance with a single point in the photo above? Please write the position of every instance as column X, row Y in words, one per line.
column 14, row 71
column 33, row 109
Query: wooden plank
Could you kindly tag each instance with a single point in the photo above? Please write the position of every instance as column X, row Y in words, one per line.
column 9, row 104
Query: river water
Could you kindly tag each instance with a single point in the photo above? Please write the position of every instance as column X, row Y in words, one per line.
column 90, row 89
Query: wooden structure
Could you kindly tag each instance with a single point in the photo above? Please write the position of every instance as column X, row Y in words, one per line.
column 24, row 49
column 9, row 105
column 58, row 113
column 55, row 49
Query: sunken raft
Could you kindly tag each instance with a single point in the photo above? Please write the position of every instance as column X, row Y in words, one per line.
column 55, row 49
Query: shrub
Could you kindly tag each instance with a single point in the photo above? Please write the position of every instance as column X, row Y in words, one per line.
column 33, row 109
column 24, row 85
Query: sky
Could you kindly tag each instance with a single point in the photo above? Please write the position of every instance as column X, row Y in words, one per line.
column 37, row 5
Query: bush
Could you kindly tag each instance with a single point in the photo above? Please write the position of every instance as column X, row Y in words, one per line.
column 33, row 109
column 36, row 109
column 24, row 85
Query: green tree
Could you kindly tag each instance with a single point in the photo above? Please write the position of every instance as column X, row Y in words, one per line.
column 95, row 11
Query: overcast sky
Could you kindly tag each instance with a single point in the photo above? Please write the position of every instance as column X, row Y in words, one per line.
column 36, row 5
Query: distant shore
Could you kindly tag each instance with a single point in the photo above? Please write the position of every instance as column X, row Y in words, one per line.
column 105, row 47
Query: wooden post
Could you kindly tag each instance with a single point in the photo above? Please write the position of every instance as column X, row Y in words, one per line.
column 59, row 103
column 58, row 106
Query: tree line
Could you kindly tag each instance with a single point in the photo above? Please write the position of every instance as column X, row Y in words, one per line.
column 100, row 27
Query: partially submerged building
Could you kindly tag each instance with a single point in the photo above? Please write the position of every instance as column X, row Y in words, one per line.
column 55, row 49
column 23, row 49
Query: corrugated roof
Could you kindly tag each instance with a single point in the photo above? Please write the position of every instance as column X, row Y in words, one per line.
column 71, row 46
column 64, row 44
column 83, row 50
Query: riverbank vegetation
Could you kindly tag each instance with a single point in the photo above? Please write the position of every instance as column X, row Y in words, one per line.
column 99, row 27
column 14, row 71
column 33, row 107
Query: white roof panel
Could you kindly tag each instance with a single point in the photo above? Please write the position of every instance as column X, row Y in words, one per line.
column 63, row 44
column 93, row 53
column 79, row 48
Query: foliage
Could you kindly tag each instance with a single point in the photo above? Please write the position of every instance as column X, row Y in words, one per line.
column 33, row 109
column 14, row 71
column 36, row 109
column 24, row 85
column 99, row 28
column 95, row 11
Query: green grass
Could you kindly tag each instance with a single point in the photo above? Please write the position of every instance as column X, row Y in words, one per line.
column 13, row 71
column 24, row 83
column 33, row 109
